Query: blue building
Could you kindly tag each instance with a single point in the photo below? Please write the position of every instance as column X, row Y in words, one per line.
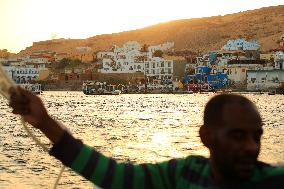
column 204, row 76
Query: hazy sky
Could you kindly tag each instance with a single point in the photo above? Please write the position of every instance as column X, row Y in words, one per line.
column 25, row 21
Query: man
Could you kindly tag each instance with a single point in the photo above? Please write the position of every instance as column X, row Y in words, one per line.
column 232, row 131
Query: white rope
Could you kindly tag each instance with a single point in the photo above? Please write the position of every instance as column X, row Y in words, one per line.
column 59, row 177
column 44, row 148
column 5, row 84
column 32, row 135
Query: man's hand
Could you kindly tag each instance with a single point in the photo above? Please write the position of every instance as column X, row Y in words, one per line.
column 29, row 106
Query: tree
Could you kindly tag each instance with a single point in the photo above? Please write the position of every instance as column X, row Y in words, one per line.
column 68, row 62
column 144, row 48
column 4, row 53
column 158, row 53
column 63, row 63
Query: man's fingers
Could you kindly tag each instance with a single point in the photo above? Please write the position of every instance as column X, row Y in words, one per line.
column 18, row 96
column 18, row 105
column 24, row 92
column 21, row 111
column 18, row 101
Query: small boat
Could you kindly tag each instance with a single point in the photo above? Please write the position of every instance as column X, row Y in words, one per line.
column 96, row 88
column 183, row 92
column 34, row 88
column 272, row 92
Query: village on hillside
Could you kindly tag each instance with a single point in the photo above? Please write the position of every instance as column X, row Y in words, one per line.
column 138, row 68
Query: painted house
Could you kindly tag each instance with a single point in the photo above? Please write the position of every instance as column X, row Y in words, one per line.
column 264, row 79
column 241, row 44
column 205, row 76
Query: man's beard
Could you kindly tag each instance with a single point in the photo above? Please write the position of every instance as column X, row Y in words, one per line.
column 235, row 168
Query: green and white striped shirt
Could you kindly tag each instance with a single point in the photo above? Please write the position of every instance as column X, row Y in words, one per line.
column 192, row 172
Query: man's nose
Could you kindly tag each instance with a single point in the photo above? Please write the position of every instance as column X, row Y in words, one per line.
column 251, row 145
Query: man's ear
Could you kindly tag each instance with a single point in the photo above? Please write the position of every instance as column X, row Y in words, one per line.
column 206, row 136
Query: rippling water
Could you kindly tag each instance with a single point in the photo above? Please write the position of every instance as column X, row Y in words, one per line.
column 137, row 128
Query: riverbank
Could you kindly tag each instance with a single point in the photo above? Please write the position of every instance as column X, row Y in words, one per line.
column 77, row 86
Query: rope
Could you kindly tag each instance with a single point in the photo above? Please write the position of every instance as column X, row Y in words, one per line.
column 5, row 84
column 44, row 149
column 32, row 135
column 58, row 177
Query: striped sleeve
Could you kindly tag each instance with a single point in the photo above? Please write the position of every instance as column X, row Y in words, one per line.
column 107, row 173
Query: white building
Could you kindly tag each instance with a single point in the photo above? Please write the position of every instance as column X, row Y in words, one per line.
column 159, row 68
column 130, row 59
column 264, row 79
column 130, row 46
column 279, row 60
column 83, row 49
column 22, row 74
column 281, row 42
column 39, row 60
column 241, row 44
column 3, row 60
column 238, row 72
column 121, row 66
column 161, row 47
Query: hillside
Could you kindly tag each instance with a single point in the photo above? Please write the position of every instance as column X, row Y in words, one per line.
column 200, row 34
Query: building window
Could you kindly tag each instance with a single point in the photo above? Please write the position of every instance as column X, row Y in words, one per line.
column 154, row 65
column 162, row 64
column 169, row 71
column 169, row 64
column 147, row 65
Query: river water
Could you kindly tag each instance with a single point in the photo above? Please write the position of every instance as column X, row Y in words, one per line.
column 130, row 127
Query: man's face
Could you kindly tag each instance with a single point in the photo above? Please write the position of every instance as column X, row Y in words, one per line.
column 236, row 141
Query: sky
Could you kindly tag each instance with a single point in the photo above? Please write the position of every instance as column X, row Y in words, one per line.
column 23, row 22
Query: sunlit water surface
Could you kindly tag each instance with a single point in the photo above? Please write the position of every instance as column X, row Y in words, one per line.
column 137, row 128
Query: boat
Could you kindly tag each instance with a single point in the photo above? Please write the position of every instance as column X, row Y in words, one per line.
column 32, row 87
column 221, row 91
column 271, row 92
column 97, row 88
column 183, row 92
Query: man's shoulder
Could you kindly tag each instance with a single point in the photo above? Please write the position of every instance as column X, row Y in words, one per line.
column 268, row 169
column 193, row 164
column 196, row 159
column 267, row 174
column 197, row 164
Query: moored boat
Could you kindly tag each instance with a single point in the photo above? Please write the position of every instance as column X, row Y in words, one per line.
column 32, row 87
column 97, row 88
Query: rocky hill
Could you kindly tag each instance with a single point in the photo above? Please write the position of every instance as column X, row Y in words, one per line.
column 200, row 34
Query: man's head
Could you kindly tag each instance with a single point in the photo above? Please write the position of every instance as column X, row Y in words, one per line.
column 232, row 130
